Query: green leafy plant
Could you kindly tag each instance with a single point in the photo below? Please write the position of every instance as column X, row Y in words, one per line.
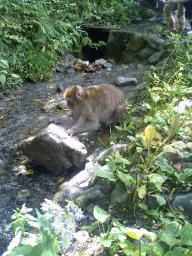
column 172, row 239
column 157, row 131
column 34, row 38
column 49, row 233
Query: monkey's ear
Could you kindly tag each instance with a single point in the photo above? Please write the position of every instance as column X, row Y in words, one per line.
column 79, row 93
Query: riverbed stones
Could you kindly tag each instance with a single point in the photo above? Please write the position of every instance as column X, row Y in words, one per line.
column 54, row 149
column 103, row 63
column 84, row 188
column 122, row 81
column 183, row 201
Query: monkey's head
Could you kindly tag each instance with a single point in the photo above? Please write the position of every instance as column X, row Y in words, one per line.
column 73, row 95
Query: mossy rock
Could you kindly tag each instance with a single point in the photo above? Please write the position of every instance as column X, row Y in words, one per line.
column 128, row 57
column 145, row 53
column 136, row 42
column 153, row 59
column 116, row 44
column 155, row 42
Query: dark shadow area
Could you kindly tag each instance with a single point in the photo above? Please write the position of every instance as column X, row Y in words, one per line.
column 96, row 34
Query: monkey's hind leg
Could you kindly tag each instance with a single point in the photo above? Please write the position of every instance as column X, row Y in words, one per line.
column 119, row 114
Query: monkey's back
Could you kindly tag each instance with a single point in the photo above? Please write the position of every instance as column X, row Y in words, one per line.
column 104, row 99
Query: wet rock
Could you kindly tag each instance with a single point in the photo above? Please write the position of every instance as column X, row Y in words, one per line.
column 140, row 86
column 23, row 195
column 81, row 236
column 131, row 92
column 155, row 57
column 70, row 70
column 155, row 42
column 116, row 44
column 103, row 63
column 183, row 201
column 60, row 69
column 83, row 188
column 177, row 152
column 108, row 66
column 92, row 247
column 100, row 62
column 119, row 195
column 54, row 149
column 69, row 59
column 106, row 153
column 183, row 106
column 125, row 81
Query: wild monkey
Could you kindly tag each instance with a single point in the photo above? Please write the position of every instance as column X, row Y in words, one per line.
column 92, row 106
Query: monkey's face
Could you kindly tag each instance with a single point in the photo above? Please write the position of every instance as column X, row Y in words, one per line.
column 73, row 96
column 70, row 104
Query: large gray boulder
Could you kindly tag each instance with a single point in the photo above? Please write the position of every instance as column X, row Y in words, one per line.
column 54, row 149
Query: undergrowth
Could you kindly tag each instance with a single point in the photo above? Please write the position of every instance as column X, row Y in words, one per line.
column 32, row 40
column 36, row 33
column 158, row 132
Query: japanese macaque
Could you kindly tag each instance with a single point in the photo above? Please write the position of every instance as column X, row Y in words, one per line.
column 92, row 106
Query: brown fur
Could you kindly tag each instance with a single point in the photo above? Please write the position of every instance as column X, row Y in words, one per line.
column 92, row 106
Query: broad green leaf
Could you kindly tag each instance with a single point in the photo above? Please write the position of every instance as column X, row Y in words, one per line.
column 149, row 235
column 2, row 79
column 186, row 234
column 15, row 76
column 164, row 166
column 178, row 251
column 143, row 206
column 100, row 214
column 137, row 234
column 170, row 233
column 134, row 233
column 22, row 250
column 184, row 175
column 139, row 149
column 125, row 178
column 141, row 191
column 154, row 213
column 117, row 233
column 4, row 63
column 148, row 119
column 160, row 199
column 157, row 180
column 48, row 253
column 106, row 242
column 104, row 172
